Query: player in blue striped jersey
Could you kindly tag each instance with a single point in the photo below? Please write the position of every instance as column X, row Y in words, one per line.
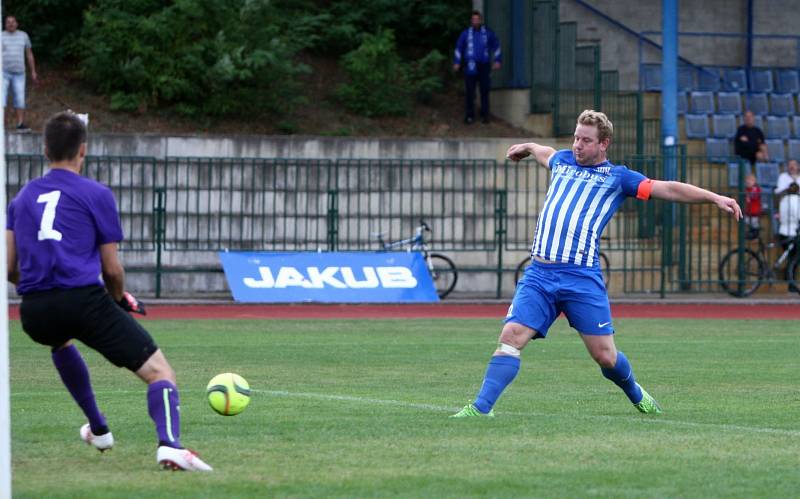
column 564, row 275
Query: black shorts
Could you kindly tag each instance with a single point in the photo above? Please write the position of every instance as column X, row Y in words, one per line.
column 90, row 315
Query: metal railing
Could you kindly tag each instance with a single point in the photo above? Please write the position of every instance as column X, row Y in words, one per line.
column 182, row 206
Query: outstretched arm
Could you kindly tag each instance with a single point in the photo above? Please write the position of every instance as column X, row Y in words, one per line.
column 688, row 193
column 540, row 153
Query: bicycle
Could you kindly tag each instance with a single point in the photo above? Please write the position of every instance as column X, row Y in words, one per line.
column 441, row 268
column 604, row 267
column 754, row 271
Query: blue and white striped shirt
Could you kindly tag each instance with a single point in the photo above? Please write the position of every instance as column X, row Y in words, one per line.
column 579, row 203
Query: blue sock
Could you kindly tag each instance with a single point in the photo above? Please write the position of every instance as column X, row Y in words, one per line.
column 622, row 375
column 500, row 373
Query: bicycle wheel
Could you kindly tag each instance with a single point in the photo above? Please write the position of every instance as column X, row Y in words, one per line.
column 443, row 272
column 794, row 275
column 521, row 270
column 754, row 270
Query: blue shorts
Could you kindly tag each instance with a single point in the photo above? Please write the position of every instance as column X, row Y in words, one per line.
column 17, row 83
column 548, row 289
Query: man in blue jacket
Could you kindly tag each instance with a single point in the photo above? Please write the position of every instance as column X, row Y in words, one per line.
column 478, row 50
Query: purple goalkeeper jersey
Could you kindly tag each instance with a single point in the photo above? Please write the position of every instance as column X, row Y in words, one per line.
column 59, row 222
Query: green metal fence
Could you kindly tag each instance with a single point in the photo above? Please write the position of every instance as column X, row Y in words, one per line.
column 213, row 204
column 180, row 205
column 131, row 179
column 456, row 198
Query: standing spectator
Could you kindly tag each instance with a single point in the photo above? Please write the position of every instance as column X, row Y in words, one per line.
column 479, row 51
column 749, row 142
column 789, row 222
column 789, row 207
column 16, row 49
column 789, row 177
column 752, row 205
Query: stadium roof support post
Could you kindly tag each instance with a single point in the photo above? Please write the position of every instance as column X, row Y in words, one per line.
column 518, row 18
column 749, row 60
column 669, row 79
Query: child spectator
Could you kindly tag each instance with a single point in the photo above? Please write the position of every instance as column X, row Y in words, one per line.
column 752, row 205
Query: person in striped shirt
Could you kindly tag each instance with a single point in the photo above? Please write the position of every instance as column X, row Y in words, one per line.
column 16, row 50
column 564, row 276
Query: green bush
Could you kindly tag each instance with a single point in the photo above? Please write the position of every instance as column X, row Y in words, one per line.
column 419, row 25
column 381, row 83
column 53, row 25
column 199, row 57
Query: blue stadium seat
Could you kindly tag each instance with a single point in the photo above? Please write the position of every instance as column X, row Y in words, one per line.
column 718, row 150
column 796, row 127
column 686, row 78
column 683, row 103
column 757, row 103
column 787, row 81
column 761, row 80
column 708, row 79
column 733, row 173
column 794, row 149
column 781, row 104
column 777, row 127
column 729, row 103
column 735, row 80
column 758, row 121
column 776, row 150
column 696, row 126
column 767, row 173
column 724, row 125
column 702, row 103
column 651, row 77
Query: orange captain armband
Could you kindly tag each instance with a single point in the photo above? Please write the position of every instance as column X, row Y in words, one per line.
column 645, row 188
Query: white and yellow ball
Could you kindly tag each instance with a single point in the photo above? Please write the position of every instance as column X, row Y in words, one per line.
column 228, row 394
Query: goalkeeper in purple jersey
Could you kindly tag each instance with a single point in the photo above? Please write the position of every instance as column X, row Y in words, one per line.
column 564, row 276
column 62, row 233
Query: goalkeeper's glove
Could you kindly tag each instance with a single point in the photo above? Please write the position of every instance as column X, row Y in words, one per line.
column 129, row 303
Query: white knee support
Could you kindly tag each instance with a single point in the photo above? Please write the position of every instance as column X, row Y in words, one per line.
column 509, row 350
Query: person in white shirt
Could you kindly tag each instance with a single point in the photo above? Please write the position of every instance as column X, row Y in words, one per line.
column 787, row 178
column 789, row 222
column 789, row 213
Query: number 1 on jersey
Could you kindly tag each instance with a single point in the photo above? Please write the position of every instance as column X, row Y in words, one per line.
column 46, row 230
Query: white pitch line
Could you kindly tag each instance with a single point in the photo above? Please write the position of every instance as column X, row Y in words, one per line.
column 440, row 408
column 361, row 400
column 443, row 408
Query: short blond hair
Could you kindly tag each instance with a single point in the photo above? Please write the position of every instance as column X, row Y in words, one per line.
column 605, row 129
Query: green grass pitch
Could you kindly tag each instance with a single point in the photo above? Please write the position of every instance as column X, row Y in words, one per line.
column 359, row 409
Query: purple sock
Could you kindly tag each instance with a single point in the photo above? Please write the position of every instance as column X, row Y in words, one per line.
column 75, row 375
column 163, row 404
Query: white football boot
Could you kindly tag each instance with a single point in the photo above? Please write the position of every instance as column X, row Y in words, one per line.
column 170, row 458
column 101, row 443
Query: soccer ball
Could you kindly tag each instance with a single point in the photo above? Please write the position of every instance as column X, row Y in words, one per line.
column 228, row 394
